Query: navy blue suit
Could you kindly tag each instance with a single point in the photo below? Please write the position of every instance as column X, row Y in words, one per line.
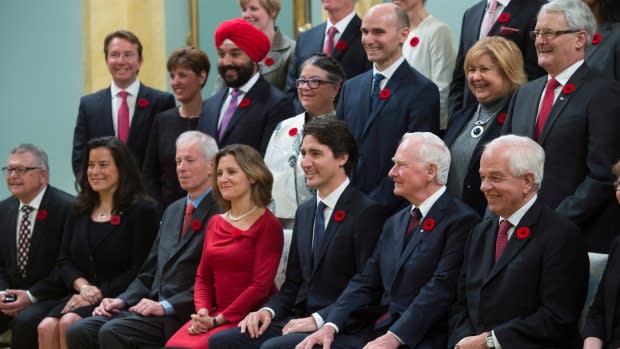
column 95, row 120
column 252, row 124
column 413, row 105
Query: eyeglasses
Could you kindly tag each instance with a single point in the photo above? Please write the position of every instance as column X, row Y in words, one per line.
column 312, row 83
column 549, row 34
column 20, row 171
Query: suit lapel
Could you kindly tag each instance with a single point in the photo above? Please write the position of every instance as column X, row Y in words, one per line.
column 393, row 84
column 256, row 96
column 139, row 113
column 477, row 15
column 530, row 113
column 12, row 222
column 303, row 233
column 105, row 106
column 605, row 30
column 347, row 37
column 39, row 226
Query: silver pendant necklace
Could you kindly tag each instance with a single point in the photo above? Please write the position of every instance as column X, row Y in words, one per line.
column 479, row 125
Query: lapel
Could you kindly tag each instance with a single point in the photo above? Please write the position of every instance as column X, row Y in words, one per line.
column 105, row 108
column 40, row 226
column 493, row 131
column 514, row 244
column 516, row 10
column 458, row 122
column 256, row 96
column 477, row 14
column 527, row 117
column 170, row 237
column 211, row 113
column 563, row 100
column 605, row 29
column 201, row 214
column 139, row 114
column 393, row 260
column 12, row 222
column 304, row 231
column 348, row 36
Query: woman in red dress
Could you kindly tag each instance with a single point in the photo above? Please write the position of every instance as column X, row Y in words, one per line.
column 241, row 251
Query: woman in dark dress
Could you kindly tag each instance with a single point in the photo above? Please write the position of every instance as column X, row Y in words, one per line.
column 189, row 69
column 106, row 238
column 494, row 70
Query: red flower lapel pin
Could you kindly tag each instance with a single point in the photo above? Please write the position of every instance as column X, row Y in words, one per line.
column 414, row 41
column 523, row 233
column 268, row 61
column 115, row 220
column 568, row 89
column 41, row 214
column 597, row 38
column 385, row 94
column 293, row 132
column 245, row 102
column 143, row 103
column 428, row 224
column 501, row 118
column 196, row 225
column 504, row 18
column 339, row 216
column 341, row 45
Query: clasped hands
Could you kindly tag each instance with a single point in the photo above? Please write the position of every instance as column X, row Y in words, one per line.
column 255, row 323
column 21, row 302
column 89, row 295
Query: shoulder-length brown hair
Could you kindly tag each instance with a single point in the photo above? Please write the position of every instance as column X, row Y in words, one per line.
column 252, row 164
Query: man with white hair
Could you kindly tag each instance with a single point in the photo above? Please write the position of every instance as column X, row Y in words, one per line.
column 525, row 273
column 412, row 274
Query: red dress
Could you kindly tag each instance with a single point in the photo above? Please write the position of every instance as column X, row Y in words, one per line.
column 235, row 275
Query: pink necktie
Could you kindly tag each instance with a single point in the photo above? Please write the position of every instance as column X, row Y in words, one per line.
column 329, row 43
column 502, row 238
column 228, row 113
column 490, row 18
column 123, row 117
column 545, row 108
column 189, row 210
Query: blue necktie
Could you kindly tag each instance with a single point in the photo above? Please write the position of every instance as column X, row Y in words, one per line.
column 319, row 232
column 376, row 87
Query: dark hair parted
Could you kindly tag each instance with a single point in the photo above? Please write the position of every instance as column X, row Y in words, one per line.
column 252, row 164
column 191, row 58
column 122, row 34
column 337, row 136
column 333, row 69
column 130, row 186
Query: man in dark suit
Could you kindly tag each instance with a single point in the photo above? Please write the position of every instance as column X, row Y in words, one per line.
column 525, row 274
column 32, row 222
column 345, row 45
column 353, row 225
column 413, row 271
column 125, row 109
column 512, row 19
column 161, row 299
column 380, row 110
column 248, row 110
column 575, row 120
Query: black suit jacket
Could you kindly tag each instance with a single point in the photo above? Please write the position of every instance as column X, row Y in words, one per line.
column 44, row 243
column 533, row 296
column 605, row 56
column 351, row 54
column 412, row 106
column 522, row 16
column 415, row 283
column 346, row 247
column 170, row 268
column 95, row 120
column 252, row 124
column 581, row 144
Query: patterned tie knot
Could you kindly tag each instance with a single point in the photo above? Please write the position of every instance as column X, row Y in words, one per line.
column 235, row 93
column 416, row 214
column 123, row 94
column 27, row 210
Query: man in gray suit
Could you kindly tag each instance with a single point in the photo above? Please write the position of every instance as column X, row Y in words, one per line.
column 160, row 299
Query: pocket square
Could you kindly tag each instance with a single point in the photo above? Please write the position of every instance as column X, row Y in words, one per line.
column 508, row 30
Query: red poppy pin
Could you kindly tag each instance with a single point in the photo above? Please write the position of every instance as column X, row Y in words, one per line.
column 341, row 45
column 504, row 18
column 414, row 41
column 523, row 233
column 293, row 132
column 339, row 215
column 143, row 103
column 501, row 118
column 568, row 89
column 196, row 225
column 268, row 61
column 385, row 94
column 115, row 220
column 429, row 224
column 41, row 214
column 245, row 102
column 597, row 38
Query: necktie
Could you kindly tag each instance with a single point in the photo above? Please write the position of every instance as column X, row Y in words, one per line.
column 546, row 106
column 189, row 210
column 319, row 232
column 489, row 19
column 228, row 113
column 413, row 223
column 24, row 240
column 502, row 238
column 376, row 87
column 123, row 117
column 328, row 47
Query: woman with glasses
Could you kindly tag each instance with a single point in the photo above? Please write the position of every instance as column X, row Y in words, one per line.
column 317, row 89
column 105, row 242
column 604, row 52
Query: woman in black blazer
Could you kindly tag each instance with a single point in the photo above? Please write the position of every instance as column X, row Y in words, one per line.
column 106, row 239
column 604, row 52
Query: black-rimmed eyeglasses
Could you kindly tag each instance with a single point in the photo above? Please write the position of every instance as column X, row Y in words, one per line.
column 312, row 83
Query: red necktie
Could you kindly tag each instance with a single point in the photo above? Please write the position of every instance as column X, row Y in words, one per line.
column 228, row 113
column 123, row 117
column 489, row 19
column 189, row 210
column 413, row 222
column 546, row 106
column 328, row 47
column 502, row 238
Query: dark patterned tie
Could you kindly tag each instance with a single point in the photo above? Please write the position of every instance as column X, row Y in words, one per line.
column 189, row 210
column 319, row 232
column 502, row 238
column 23, row 245
column 376, row 88
column 414, row 220
column 328, row 47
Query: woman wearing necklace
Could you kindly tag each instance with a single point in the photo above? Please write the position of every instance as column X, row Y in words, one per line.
column 105, row 242
column 317, row 88
column 494, row 70
column 189, row 69
column 241, row 251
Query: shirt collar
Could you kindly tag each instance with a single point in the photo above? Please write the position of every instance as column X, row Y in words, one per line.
column 36, row 202
column 341, row 25
column 565, row 75
column 516, row 217
column 333, row 197
column 389, row 71
column 132, row 89
column 427, row 204
column 248, row 85
column 503, row 3
column 196, row 202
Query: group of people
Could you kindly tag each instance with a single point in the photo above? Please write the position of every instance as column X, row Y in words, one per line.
column 437, row 199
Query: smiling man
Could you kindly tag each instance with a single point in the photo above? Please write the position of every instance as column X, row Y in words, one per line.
column 572, row 112
column 125, row 109
column 386, row 102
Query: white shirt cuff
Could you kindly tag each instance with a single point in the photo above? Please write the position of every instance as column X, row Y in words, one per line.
column 497, row 345
column 32, row 298
column 318, row 319
column 402, row 342
column 273, row 313
column 332, row 325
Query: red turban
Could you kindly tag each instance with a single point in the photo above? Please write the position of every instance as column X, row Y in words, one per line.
column 248, row 38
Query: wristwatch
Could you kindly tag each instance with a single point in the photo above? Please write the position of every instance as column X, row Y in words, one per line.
column 490, row 341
